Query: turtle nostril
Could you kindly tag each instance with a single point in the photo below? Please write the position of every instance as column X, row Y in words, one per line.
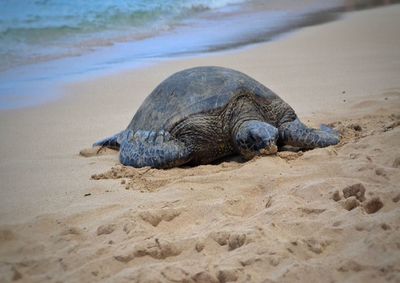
column 254, row 139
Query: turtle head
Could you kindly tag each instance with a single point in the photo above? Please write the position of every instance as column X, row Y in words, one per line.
column 256, row 138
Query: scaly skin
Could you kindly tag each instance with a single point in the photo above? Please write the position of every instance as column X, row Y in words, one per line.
column 153, row 149
column 297, row 134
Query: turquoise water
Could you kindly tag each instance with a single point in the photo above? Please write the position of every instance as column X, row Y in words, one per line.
column 47, row 42
column 32, row 31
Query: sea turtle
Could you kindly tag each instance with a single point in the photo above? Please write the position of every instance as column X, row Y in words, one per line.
column 202, row 114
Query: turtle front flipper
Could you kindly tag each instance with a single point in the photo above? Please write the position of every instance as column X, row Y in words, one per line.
column 297, row 134
column 154, row 149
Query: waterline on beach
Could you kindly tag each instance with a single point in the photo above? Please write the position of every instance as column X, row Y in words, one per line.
column 226, row 25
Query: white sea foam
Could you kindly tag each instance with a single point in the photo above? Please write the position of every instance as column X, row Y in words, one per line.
column 32, row 31
column 43, row 42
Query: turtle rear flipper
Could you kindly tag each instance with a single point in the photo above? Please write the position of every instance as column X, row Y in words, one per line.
column 297, row 134
column 116, row 140
column 154, row 149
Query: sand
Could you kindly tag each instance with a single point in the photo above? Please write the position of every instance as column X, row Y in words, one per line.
column 325, row 215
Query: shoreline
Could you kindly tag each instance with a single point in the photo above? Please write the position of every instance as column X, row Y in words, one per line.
column 280, row 218
column 23, row 86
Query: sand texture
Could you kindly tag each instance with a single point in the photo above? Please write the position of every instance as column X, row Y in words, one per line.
column 325, row 215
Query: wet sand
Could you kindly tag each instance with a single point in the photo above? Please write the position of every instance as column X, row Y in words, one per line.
column 325, row 215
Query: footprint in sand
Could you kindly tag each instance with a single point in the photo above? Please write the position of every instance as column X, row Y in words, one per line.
column 354, row 196
column 396, row 198
column 154, row 217
column 381, row 172
column 229, row 275
column 6, row 235
column 157, row 249
column 175, row 274
column 233, row 240
column 105, row 229
column 356, row 190
column 315, row 245
column 200, row 246
column 373, row 205
column 204, row 277
column 396, row 162
column 351, row 203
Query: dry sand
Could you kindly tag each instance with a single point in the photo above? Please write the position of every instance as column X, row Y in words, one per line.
column 326, row 215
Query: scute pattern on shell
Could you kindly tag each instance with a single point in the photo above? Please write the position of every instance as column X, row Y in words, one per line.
column 210, row 88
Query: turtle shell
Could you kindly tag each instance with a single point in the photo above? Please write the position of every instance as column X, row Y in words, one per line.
column 193, row 91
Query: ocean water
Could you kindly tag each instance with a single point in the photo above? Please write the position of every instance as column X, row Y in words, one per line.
column 47, row 42
column 40, row 30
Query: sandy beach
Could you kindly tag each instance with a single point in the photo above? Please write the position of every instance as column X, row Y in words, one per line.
column 325, row 215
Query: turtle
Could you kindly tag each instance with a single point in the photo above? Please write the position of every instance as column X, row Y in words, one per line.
column 202, row 114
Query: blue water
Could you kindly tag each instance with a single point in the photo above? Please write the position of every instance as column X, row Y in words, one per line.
column 32, row 31
column 45, row 42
